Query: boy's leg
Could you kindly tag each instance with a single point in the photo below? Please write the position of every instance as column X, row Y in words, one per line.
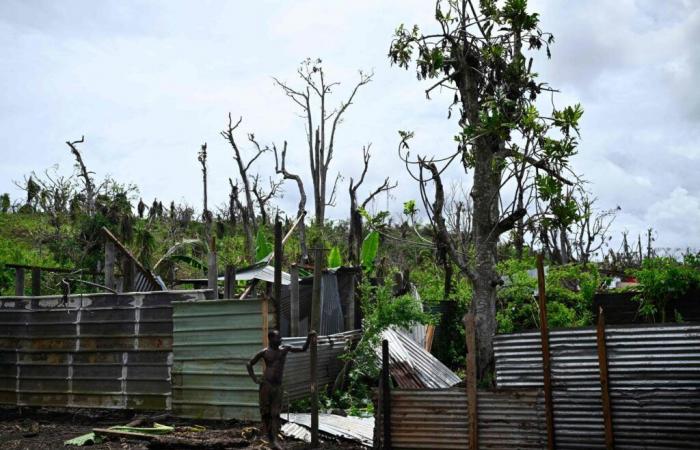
column 275, row 410
column 264, row 402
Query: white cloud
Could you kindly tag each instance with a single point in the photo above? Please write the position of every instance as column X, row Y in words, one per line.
column 147, row 83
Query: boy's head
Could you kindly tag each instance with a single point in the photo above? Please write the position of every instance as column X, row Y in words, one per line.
column 274, row 338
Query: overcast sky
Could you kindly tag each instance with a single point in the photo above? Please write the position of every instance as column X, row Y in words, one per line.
column 147, row 82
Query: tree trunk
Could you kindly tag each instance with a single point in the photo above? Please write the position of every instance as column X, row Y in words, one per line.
column 485, row 194
column 355, row 231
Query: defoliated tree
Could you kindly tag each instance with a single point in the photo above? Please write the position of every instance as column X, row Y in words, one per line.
column 321, row 123
column 478, row 52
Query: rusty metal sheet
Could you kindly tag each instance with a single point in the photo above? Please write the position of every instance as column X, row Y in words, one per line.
column 412, row 367
column 96, row 350
column 654, row 382
column 437, row 419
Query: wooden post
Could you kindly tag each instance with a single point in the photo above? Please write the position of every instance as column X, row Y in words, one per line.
column 265, row 320
column 277, row 288
column 429, row 336
column 603, row 364
column 36, row 281
column 229, row 281
column 212, row 271
column 19, row 281
column 472, row 399
column 294, row 301
column 546, row 362
column 386, row 396
column 109, row 264
column 315, row 326
column 129, row 271
column 350, row 310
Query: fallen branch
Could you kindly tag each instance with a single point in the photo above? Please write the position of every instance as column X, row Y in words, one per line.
column 175, row 442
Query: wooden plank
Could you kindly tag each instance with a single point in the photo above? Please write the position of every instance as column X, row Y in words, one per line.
column 110, row 257
column 546, row 360
column 315, row 326
column 19, row 281
column 36, row 282
column 125, row 251
column 386, row 396
column 294, row 301
column 603, row 365
column 472, row 400
column 212, row 270
column 229, row 281
column 429, row 335
column 128, row 275
column 51, row 269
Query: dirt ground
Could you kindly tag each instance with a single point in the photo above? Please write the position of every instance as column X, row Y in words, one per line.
column 47, row 429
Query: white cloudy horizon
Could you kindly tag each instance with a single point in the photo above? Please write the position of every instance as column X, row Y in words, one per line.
column 147, row 83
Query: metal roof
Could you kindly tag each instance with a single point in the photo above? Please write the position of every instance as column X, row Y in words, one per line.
column 412, row 366
column 260, row 271
column 357, row 429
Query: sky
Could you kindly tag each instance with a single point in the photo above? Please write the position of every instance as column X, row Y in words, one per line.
column 147, row 82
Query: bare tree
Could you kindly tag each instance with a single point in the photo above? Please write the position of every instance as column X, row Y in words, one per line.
column 355, row 232
column 248, row 219
column 206, row 214
column 263, row 198
column 84, row 174
column 281, row 168
column 245, row 221
column 321, row 125
column 477, row 53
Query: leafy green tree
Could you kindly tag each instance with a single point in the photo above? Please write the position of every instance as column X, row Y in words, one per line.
column 663, row 279
column 478, row 52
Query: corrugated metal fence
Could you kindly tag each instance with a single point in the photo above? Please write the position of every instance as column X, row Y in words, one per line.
column 437, row 419
column 98, row 350
column 654, row 383
column 330, row 348
column 212, row 342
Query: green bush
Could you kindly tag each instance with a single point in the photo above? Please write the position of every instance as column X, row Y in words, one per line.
column 663, row 279
column 570, row 290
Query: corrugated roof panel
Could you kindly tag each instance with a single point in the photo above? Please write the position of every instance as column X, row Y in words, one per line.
column 260, row 272
column 412, row 366
column 357, row 429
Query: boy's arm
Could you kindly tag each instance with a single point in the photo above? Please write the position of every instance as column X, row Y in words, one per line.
column 292, row 349
column 249, row 365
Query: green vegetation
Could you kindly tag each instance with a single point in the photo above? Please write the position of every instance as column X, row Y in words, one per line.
column 664, row 279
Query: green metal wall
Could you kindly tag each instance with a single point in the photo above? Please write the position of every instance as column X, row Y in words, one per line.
column 212, row 340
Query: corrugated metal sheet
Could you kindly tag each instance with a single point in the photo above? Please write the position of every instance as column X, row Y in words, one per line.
column 295, row 431
column 213, row 340
column 96, row 350
column 261, row 271
column 654, row 373
column 330, row 348
column 357, row 429
column 412, row 367
column 332, row 315
column 438, row 419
